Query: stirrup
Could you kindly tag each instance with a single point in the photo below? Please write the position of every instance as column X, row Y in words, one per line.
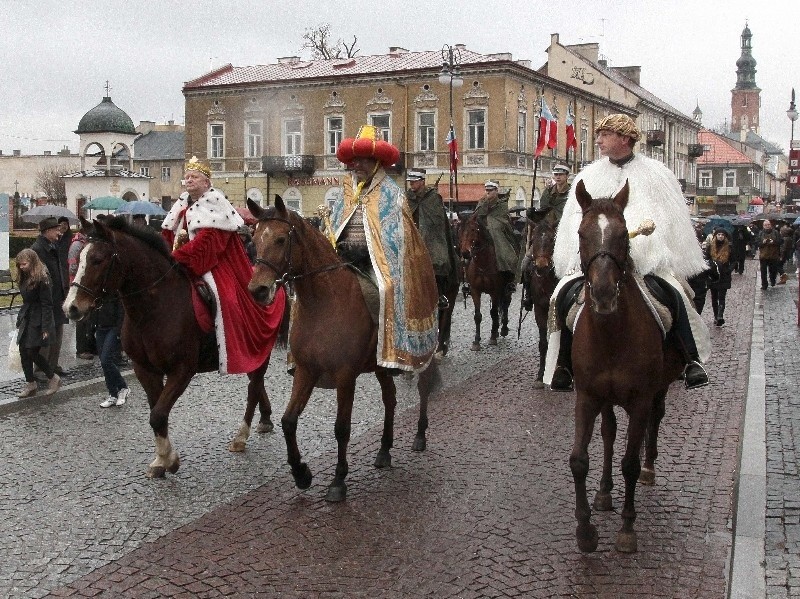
column 562, row 380
column 694, row 375
column 444, row 304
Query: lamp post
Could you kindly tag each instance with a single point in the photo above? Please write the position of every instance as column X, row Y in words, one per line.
column 451, row 75
column 792, row 114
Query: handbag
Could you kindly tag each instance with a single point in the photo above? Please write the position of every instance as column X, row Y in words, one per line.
column 14, row 360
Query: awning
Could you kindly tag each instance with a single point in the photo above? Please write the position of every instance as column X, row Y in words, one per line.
column 467, row 192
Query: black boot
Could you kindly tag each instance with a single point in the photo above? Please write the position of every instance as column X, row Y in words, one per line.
column 562, row 375
column 721, row 315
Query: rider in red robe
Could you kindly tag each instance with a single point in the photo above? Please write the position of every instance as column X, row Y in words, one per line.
column 245, row 331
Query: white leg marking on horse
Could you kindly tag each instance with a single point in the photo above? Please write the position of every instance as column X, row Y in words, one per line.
column 602, row 222
column 163, row 452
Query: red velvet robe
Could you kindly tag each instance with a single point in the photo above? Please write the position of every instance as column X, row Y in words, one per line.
column 248, row 330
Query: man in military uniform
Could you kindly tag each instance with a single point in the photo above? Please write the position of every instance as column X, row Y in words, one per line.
column 551, row 204
column 430, row 216
column 493, row 211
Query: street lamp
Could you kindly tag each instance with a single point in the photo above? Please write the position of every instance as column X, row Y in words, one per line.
column 451, row 75
column 792, row 114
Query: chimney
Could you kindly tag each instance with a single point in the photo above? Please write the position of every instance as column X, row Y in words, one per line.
column 289, row 60
column 145, row 127
column 17, row 152
column 170, row 122
column 553, row 39
column 461, row 47
column 1, row 152
column 632, row 73
column 397, row 50
column 48, row 153
column 603, row 63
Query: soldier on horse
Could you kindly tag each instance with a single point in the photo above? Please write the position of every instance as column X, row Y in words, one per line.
column 492, row 211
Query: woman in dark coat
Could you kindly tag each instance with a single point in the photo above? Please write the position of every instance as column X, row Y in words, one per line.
column 35, row 324
column 720, row 253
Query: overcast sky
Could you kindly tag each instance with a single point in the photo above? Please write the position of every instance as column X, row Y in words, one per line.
column 58, row 54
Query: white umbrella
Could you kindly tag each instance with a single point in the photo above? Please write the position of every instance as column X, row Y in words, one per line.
column 38, row 213
column 140, row 207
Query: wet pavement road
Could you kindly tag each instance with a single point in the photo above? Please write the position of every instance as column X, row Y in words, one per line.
column 486, row 511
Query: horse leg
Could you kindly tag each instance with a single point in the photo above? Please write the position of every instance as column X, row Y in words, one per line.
column 302, row 387
column 586, row 412
column 478, row 317
column 429, row 379
column 166, row 459
column 648, row 473
column 608, row 430
column 337, row 491
column 389, row 397
column 494, row 312
column 256, row 394
column 505, row 304
column 631, row 467
column 541, row 324
column 445, row 324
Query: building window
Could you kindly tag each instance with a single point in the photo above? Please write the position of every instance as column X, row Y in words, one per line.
column 584, row 143
column 335, row 127
column 252, row 141
column 166, row 173
column 216, row 140
column 522, row 131
column 705, row 179
column 427, row 131
column 476, row 129
column 293, row 137
column 144, row 170
column 293, row 204
column 383, row 124
column 729, row 177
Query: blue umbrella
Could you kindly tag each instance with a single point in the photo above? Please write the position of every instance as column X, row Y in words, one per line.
column 717, row 222
column 140, row 207
column 104, row 203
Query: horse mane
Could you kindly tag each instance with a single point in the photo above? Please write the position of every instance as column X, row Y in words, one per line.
column 146, row 235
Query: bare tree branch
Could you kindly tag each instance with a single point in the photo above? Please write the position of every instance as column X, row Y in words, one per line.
column 318, row 41
column 49, row 181
column 351, row 50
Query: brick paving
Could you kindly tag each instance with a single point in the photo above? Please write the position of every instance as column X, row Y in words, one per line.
column 782, row 359
column 486, row 511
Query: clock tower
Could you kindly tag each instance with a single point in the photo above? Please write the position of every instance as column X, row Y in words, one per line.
column 746, row 96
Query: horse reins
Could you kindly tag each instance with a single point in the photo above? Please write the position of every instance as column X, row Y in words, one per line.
column 622, row 266
column 287, row 276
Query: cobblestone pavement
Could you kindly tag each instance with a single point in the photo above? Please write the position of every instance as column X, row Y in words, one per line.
column 782, row 359
column 486, row 511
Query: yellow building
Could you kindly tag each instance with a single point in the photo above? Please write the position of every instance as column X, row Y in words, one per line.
column 274, row 129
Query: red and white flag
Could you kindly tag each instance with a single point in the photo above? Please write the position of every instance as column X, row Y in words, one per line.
column 548, row 129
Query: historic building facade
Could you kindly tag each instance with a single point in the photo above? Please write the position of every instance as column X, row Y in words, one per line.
column 275, row 128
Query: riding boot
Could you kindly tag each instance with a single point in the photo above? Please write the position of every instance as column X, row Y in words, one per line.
column 562, row 375
column 441, row 285
column 721, row 314
column 694, row 375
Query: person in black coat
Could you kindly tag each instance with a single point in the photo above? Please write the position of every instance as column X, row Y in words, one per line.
column 720, row 251
column 47, row 248
column 742, row 237
column 35, row 327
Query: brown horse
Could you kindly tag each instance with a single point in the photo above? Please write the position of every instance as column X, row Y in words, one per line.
column 539, row 281
column 619, row 359
column 160, row 333
column 482, row 276
column 333, row 337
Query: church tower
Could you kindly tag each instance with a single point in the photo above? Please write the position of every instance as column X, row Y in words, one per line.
column 746, row 96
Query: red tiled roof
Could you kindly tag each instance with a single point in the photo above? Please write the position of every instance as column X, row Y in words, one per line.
column 312, row 69
column 720, row 152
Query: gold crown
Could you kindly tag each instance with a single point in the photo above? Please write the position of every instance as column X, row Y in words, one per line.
column 195, row 165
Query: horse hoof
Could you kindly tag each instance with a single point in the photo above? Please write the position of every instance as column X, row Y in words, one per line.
column 302, row 476
column 504, row 332
column 493, row 341
column 647, row 476
column 626, row 542
column 538, row 385
column 336, row 494
column 475, row 347
column 173, row 468
column 438, row 357
column 383, row 459
column 602, row 502
column 419, row 444
column 156, row 472
column 586, row 535
column 237, row 446
column 265, row 426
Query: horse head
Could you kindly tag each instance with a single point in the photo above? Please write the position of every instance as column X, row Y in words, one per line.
column 540, row 249
column 473, row 235
column 277, row 250
column 603, row 246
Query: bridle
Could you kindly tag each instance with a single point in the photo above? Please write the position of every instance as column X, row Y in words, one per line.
column 99, row 296
column 287, row 276
column 622, row 265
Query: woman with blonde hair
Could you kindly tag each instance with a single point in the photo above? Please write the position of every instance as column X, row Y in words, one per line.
column 720, row 251
column 35, row 324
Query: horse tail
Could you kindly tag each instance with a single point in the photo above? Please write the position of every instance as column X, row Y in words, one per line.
column 283, row 331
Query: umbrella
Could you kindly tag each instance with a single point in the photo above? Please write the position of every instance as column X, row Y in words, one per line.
column 39, row 213
column 796, row 221
column 141, row 207
column 718, row 222
column 248, row 217
column 104, row 203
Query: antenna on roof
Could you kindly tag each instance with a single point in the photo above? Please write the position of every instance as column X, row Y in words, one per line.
column 108, row 89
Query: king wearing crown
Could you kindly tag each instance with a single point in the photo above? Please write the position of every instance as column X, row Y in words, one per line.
column 375, row 232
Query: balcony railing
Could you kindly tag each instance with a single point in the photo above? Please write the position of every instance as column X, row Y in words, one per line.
column 695, row 150
column 728, row 191
column 655, row 137
column 299, row 163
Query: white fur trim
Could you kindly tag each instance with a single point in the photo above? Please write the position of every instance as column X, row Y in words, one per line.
column 211, row 211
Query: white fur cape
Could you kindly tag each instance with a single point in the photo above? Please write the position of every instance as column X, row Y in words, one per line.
column 211, row 211
column 655, row 194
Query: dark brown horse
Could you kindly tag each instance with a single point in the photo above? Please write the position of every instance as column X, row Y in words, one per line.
column 160, row 333
column 482, row 276
column 539, row 281
column 619, row 359
column 333, row 337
